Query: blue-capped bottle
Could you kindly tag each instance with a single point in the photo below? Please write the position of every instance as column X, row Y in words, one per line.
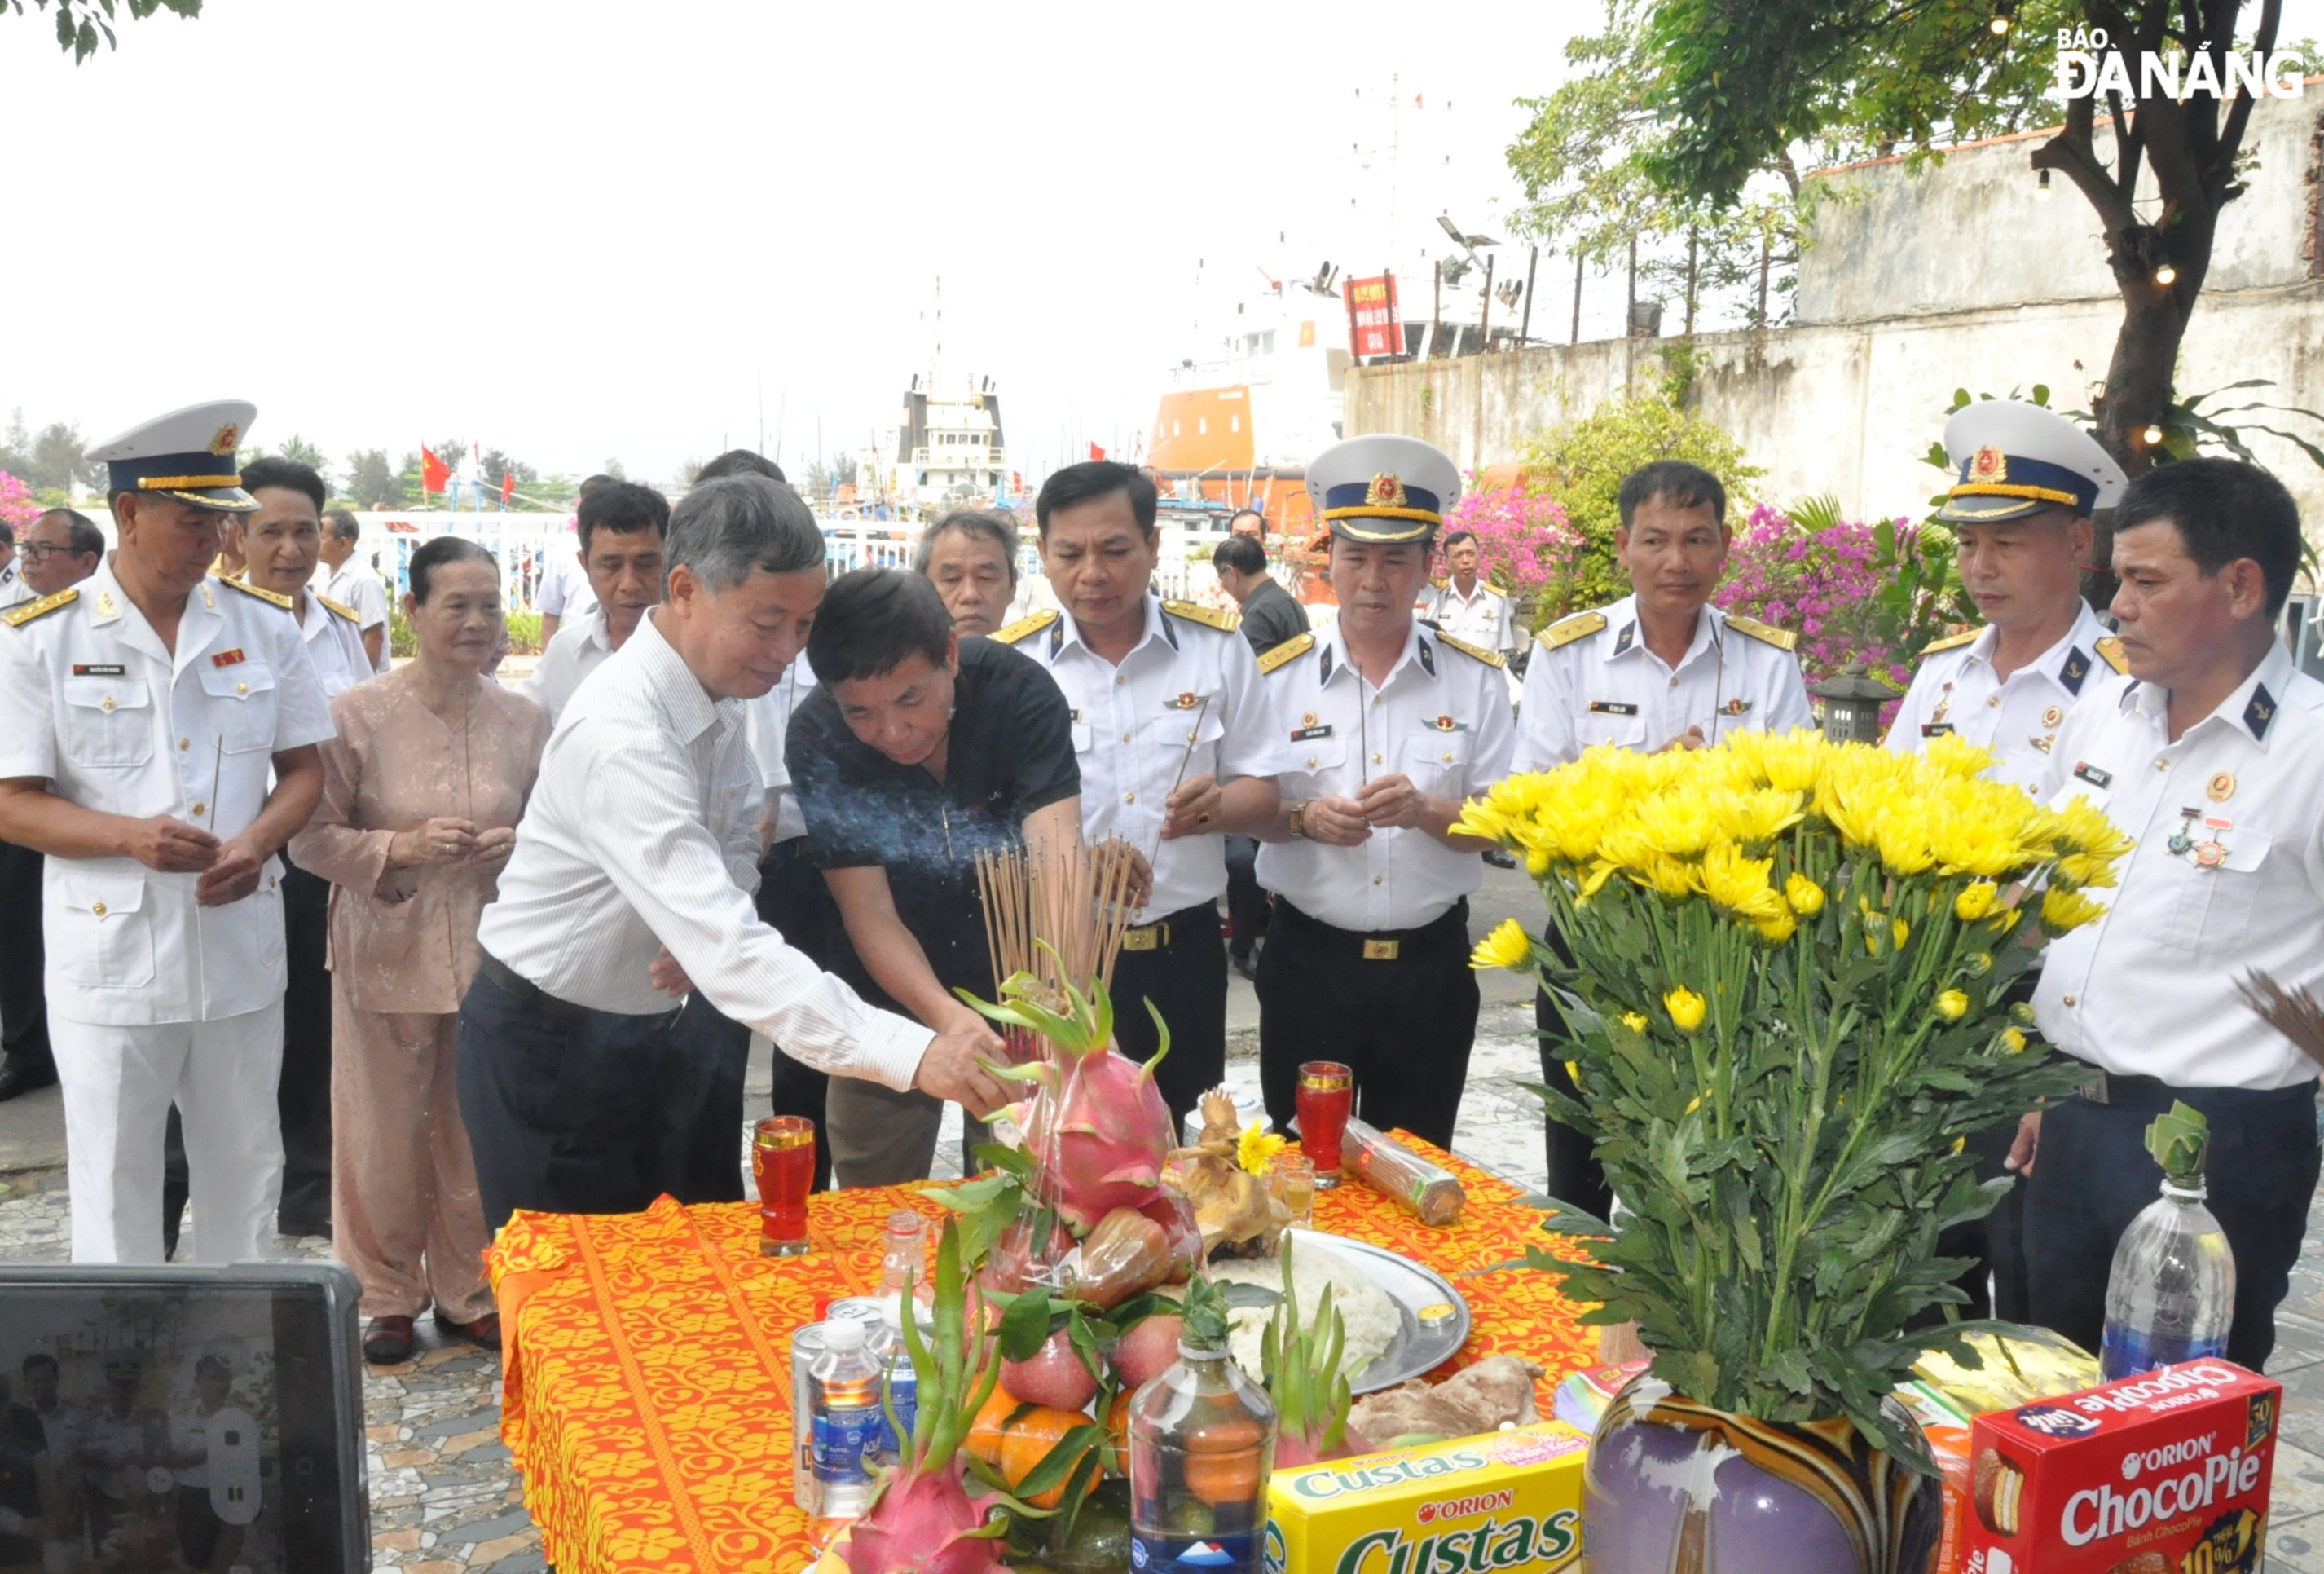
column 2172, row 1293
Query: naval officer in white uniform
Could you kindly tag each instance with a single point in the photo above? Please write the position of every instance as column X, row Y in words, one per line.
column 140, row 713
column 2028, row 480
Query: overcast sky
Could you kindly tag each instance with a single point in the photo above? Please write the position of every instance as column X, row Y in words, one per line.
column 584, row 229
column 577, row 230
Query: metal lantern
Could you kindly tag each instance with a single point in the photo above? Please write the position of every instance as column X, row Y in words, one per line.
column 1851, row 706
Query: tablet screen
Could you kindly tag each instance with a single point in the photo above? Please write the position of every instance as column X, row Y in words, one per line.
column 174, row 1423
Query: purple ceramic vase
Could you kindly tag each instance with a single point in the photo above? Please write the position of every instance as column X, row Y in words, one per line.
column 1675, row 1487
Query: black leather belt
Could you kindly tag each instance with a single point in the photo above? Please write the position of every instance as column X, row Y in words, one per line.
column 525, row 992
column 1156, row 936
column 1382, row 945
column 2153, row 1093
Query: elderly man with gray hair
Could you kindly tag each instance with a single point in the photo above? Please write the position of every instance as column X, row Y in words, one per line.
column 970, row 556
column 630, row 886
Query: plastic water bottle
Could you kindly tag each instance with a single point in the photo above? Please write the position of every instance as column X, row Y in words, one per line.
column 2172, row 1293
column 844, row 1385
column 903, row 1271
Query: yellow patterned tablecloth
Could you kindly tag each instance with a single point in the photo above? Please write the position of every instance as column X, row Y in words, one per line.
column 646, row 1382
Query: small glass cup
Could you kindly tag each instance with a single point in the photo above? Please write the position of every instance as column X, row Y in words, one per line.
column 1327, row 1096
column 782, row 1158
column 1291, row 1180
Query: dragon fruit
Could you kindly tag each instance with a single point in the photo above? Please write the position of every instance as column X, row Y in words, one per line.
column 1311, row 1392
column 1098, row 1131
column 920, row 1517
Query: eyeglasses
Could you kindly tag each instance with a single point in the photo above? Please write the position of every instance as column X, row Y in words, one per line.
column 42, row 551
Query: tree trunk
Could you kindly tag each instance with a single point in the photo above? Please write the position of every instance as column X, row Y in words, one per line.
column 1693, row 245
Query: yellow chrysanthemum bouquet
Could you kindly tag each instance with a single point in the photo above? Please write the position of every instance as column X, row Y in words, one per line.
column 1787, row 997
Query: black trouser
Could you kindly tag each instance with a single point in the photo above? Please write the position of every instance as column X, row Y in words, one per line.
column 1575, row 1176
column 303, row 1094
column 794, row 901
column 23, row 994
column 704, row 1110
column 567, row 1108
column 1404, row 1025
column 1245, row 899
column 1184, row 975
column 2092, row 1175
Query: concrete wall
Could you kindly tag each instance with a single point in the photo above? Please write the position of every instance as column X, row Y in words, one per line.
column 1895, row 313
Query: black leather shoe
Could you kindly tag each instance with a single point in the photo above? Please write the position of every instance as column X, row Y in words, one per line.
column 387, row 1341
column 1499, row 859
column 19, row 1077
column 1245, row 963
column 297, row 1228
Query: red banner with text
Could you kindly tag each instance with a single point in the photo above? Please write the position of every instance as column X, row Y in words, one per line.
column 1373, row 327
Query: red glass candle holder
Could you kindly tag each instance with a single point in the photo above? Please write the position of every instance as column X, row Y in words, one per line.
column 1327, row 1096
column 782, row 1158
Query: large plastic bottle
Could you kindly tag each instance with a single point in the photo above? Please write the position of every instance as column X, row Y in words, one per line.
column 1202, row 1445
column 2172, row 1293
column 903, row 1269
column 844, row 1383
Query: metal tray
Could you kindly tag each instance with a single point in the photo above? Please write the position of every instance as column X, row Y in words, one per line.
column 1415, row 1351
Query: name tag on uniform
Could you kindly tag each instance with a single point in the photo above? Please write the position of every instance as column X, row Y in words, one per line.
column 2084, row 770
column 99, row 670
column 227, row 658
column 1305, row 734
column 1936, row 729
column 1611, row 707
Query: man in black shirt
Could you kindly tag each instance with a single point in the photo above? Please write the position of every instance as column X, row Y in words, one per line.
column 1270, row 616
column 918, row 750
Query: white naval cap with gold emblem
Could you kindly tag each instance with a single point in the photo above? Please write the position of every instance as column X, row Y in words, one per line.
column 2011, row 460
column 1383, row 488
column 187, row 454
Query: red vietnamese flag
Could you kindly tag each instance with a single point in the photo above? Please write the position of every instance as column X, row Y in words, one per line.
column 435, row 475
column 507, row 488
column 1096, row 453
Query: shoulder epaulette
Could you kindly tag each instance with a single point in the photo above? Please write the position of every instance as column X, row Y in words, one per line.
column 1025, row 627
column 18, row 616
column 1297, row 645
column 2110, row 652
column 1566, row 630
column 1951, row 642
column 1782, row 639
column 1491, row 658
column 341, row 607
column 247, row 588
column 1209, row 617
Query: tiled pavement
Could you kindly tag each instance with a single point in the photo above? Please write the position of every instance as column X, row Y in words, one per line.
column 446, row 1498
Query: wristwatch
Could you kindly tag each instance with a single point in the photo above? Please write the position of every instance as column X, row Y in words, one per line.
column 1299, row 816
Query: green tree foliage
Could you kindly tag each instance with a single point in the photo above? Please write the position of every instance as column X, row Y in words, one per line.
column 81, row 23
column 1751, row 80
column 298, row 450
column 370, row 484
column 1580, row 467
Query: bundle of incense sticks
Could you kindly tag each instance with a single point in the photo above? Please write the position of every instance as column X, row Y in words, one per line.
column 1074, row 899
column 2295, row 1013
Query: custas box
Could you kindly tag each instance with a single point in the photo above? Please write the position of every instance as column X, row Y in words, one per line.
column 1508, row 1500
column 2165, row 1473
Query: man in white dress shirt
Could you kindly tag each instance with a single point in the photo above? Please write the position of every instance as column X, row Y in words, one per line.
column 1175, row 745
column 631, row 886
column 1385, row 729
column 564, row 589
column 623, row 527
column 352, row 583
column 2026, row 481
column 141, row 713
column 2207, row 754
column 1662, row 668
column 1466, row 605
column 281, row 540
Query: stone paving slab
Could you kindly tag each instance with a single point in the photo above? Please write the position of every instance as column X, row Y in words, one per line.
column 446, row 1498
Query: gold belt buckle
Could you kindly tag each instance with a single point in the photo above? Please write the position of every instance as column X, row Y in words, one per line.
column 1381, row 950
column 1149, row 939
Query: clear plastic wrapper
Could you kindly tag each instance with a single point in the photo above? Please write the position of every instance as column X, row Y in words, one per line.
column 1429, row 1192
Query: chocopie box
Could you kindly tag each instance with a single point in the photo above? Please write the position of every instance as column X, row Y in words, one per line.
column 2164, row 1473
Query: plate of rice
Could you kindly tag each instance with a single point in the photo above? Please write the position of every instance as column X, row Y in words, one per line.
column 1380, row 1298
